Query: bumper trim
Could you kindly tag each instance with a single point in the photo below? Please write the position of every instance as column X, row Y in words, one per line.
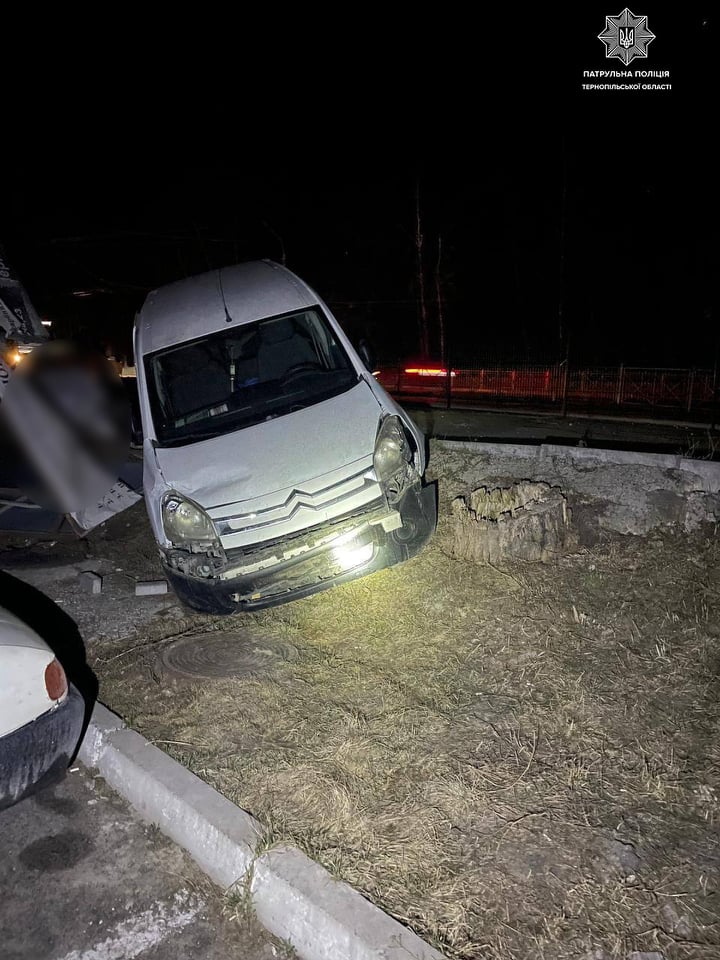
column 279, row 566
column 38, row 753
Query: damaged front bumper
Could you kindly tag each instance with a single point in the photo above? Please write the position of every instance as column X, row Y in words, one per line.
column 312, row 560
column 38, row 753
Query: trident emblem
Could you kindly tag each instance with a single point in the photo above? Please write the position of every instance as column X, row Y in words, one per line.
column 626, row 36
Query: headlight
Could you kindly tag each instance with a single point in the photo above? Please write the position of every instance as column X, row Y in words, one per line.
column 185, row 521
column 392, row 451
column 351, row 556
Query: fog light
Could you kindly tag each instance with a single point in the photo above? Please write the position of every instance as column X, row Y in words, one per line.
column 349, row 557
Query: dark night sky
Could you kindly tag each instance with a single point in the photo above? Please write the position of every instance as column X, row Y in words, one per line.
column 130, row 185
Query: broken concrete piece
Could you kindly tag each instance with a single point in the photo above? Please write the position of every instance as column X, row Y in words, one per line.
column 92, row 582
column 675, row 922
column 149, row 588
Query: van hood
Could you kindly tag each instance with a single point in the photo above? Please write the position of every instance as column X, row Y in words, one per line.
column 276, row 454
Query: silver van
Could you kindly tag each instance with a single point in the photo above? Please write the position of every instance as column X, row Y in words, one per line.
column 275, row 465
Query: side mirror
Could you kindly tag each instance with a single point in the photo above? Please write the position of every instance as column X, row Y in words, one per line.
column 367, row 355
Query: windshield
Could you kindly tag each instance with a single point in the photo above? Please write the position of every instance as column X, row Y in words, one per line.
column 247, row 374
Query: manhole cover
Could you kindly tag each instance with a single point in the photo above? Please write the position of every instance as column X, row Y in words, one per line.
column 214, row 656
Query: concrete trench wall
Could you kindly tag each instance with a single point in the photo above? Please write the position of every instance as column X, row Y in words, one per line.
column 608, row 490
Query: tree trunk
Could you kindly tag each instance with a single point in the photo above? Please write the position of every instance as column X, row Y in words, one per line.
column 440, row 315
column 424, row 332
column 530, row 521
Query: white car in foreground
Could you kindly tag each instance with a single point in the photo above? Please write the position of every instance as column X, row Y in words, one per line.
column 41, row 714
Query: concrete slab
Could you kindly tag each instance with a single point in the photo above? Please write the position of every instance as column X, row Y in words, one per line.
column 324, row 918
column 83, row 878
column 621, row 491
column 294, row 898
column 150, row 588
column 219, row 836
column 91, row 582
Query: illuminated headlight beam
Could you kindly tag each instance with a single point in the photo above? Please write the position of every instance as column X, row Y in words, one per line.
column 350, row 556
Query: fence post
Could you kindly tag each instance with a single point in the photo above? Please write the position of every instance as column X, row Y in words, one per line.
column 691, row 383
column 565, row 364
column 621, row 377
column 448, row 383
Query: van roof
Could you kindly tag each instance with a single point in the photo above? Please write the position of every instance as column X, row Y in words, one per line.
column 194, row 307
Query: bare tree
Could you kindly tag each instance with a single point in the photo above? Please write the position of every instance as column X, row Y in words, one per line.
column 562, row 331
column 273, row 231
column 424, row 332
column 204, row 249
column 438, row 297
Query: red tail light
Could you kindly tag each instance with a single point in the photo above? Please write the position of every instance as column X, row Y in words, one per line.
column 55, row 681
column 429, row 371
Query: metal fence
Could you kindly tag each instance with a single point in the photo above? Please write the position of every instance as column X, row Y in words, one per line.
column 557, row 385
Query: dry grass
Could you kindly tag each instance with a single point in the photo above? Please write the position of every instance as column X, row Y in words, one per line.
column 516, row 763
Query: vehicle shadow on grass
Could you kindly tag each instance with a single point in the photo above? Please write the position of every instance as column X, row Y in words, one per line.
column 58, row 630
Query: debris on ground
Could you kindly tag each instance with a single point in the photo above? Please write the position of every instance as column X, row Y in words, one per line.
column 91, row 582
column 150, row 588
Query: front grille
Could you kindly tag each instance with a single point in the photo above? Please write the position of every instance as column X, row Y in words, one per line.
column 299, row 509
column 295, row 501
column 308, row 538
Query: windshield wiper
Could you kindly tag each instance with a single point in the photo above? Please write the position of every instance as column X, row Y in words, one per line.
column 191, row 438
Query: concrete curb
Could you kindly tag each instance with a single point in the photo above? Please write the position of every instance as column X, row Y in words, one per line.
column 706, row 471
column 575, row 415
column 294, row 897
